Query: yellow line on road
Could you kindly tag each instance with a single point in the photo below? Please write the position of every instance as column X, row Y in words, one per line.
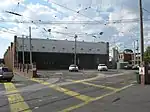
column 16, row 101
column 99, row 86
column 95, row 99
column 65, row 91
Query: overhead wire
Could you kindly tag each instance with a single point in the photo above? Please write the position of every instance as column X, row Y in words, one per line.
column 76, row 11
column 56, row 23
column 74, row 22
column 68, row 8
column 71, row 22
column 146, row 10
column 36, row 24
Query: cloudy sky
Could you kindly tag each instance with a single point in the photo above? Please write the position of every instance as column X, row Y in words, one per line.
column 117, row 19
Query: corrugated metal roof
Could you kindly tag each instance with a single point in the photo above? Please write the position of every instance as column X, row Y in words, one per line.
column 62, row 46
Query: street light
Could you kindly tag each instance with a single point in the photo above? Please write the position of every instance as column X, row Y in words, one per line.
column 75, row 51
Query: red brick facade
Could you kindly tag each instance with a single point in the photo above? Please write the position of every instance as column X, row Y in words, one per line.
column 126, row 57
column 9, row 56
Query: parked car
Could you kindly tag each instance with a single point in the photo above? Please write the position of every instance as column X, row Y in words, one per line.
column 6, row 74
column 135, row 67
column 102, row 67
column 73, row 67
column 128, row 67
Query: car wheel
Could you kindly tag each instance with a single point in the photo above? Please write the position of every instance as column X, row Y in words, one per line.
column 8, row 80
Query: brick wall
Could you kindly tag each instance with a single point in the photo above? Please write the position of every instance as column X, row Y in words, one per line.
column 9, row 56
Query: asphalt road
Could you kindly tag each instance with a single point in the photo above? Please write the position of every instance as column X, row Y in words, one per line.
column 82, row 74
column 62, row 91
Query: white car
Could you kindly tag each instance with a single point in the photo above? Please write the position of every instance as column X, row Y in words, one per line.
column 73, row 68
column 102, row 67
column 6, row 74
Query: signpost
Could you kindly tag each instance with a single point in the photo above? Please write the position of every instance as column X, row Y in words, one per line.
column 142, row 73
column 141, row 70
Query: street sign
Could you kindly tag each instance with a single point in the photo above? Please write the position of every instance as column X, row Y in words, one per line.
column 142, row 70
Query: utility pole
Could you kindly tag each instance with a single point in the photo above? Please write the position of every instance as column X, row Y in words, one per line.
column 145, row 78
column 141, row 31
column 75, row 51
column 137, row 50
column 134, row 54
column 30, row 45
column 23, row 51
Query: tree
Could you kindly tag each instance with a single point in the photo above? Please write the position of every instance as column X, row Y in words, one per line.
column 147, row 54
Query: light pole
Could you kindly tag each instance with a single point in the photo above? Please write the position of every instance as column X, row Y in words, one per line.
column 75, row 51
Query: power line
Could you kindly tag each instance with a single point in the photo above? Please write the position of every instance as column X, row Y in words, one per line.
column 75, row 11
column 69, row 22
column 146, row 10
column 71, row 10
column 73, row 22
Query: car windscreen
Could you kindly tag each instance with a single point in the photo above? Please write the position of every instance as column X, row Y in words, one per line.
column 73, row 66
column 102, row 65
column 5, row 70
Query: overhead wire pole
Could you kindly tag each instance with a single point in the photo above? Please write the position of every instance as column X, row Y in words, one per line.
column 145, row 79
column 75, row 51
column 141, row 31
column 134, row 52
column 23, row 62
column 30, row 45
column 137, row 50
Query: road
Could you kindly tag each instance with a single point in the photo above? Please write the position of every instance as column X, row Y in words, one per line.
column 62, row 91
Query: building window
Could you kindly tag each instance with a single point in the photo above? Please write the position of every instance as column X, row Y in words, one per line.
column 98, row 49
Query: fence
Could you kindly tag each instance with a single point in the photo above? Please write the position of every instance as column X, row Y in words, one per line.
column 27, row 70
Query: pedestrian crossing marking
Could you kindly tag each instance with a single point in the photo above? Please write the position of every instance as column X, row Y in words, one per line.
column 65, row 91
column 16, row 101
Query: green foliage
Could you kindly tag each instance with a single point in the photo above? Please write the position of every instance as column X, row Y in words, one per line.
column 147, row 54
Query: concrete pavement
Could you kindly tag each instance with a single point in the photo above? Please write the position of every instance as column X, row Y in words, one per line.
column 56, row 94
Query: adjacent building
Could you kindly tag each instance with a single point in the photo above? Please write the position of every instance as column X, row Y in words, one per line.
column 126, row 56
column 1, row 61
column 57, row 54
column 137, row 58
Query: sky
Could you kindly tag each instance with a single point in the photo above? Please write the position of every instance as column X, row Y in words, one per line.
column 117, row 19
